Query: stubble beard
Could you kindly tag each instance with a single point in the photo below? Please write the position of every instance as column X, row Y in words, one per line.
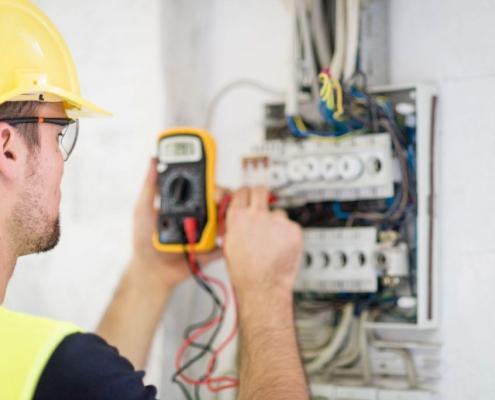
column 34, row 230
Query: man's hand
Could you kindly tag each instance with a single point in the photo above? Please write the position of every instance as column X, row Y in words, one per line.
column 170, row 269
column 263, row 248
column 263, row 251
column 143, row 292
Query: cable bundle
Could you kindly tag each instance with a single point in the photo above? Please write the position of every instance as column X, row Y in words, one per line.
column 213, row 324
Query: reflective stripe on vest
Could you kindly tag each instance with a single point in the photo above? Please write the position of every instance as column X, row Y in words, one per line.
column 26, row 345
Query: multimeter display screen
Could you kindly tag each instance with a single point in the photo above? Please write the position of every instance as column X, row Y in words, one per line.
column 180, row 149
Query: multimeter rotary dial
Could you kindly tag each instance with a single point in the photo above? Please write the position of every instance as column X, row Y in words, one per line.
column 181, row 191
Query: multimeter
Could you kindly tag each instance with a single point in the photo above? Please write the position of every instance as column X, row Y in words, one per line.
column 186, row 173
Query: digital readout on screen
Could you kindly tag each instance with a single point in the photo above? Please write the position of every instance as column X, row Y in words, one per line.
column 180, row 149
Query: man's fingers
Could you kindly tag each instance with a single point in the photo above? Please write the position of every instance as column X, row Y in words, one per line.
column 240, row 199
column 259, row 198
column 148, row 191
column 220, row 193
column 280, row 213
column 213, row 255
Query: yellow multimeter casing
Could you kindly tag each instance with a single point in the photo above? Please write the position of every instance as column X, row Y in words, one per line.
column 186, row 186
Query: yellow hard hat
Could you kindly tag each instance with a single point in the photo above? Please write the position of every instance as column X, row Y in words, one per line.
column 36, row 63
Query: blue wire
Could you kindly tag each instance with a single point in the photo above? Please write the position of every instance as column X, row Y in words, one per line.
column 389, row 201
column 304, row 134
column 410, row 158
column 339, row 213
column 294, row 129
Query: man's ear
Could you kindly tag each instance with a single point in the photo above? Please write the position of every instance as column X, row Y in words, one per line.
column 12, row 152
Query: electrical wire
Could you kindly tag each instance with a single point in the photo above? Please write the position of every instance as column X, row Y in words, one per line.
column 214, row 384
column 398, row 207
column 350, row 354
column 411, row 372
column 320, row 34
column 292, row 99
column 314, row 330
column 217, row 323
column 194, row 267
column 328, row 353
column 364, row 350
column 352, row 36
column 231, row 86
column 231, row 382
column 309, row 65
column 194, row 327
column 336, row 66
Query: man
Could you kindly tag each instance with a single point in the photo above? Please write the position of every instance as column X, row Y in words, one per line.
column 45, row 359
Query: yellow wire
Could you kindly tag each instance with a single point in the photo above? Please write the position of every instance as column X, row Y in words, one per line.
column 300, row 123
column 326, row 91
column 340, row 98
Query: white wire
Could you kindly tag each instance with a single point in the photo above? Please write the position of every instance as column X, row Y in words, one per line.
column 314, row 331
column 352, row 351
column 329, row 352
column 320, row 34
column 411, row 372
column 291, row 104
column 337, row 63
column 239, row 83
column 309, row 60
column 352, row 26
column 364, row 350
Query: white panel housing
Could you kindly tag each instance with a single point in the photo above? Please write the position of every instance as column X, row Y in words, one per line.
column 339, row 260
column 335, row 392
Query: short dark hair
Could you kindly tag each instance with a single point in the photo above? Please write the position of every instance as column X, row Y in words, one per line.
column 29, row 132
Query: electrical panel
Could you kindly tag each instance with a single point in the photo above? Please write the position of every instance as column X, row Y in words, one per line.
column 328, row 184
column 333, row 392
column 354, row 165
column 365, row 200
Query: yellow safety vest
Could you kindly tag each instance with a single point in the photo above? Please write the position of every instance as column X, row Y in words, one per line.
column 26, row 345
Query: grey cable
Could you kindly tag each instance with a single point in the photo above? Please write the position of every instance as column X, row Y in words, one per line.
column 320, row 34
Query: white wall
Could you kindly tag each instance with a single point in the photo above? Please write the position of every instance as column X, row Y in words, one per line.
column 451, row 42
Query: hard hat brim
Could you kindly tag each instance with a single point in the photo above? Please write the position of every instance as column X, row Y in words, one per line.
column 75, row 106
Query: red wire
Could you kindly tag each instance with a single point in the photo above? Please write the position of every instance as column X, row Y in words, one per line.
column 190, row 228
column 222, row 212
column 196, row 333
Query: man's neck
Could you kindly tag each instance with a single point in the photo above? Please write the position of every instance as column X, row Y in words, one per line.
column 7, row 263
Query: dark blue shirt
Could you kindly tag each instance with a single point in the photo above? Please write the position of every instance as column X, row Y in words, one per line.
column 85, row 367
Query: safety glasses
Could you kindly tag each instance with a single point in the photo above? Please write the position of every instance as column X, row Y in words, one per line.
column 67, row 138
